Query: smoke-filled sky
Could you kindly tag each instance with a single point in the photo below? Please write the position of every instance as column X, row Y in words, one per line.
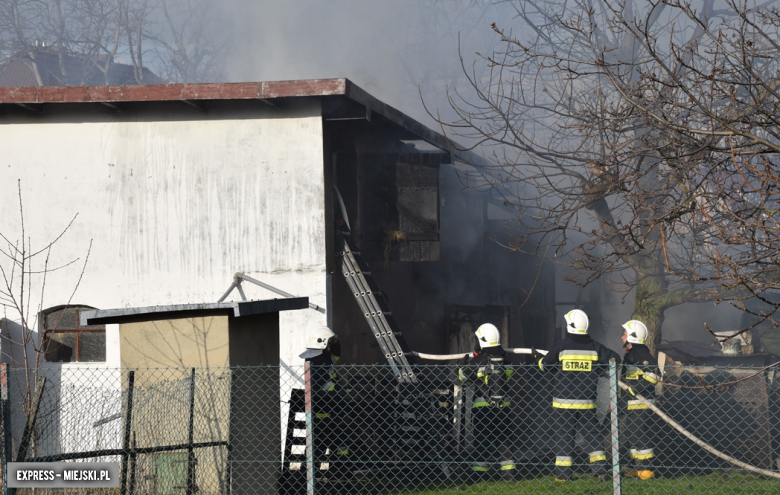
column 389, row 48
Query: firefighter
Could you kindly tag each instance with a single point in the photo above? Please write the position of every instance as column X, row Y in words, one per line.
column 487, row 369
column 640, row 370
column 576, row 361
column 323, row 350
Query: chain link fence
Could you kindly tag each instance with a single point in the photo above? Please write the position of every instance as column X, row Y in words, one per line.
column 263, row 430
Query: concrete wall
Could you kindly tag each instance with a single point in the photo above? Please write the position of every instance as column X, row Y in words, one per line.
column 173, row 200
column 77, row 396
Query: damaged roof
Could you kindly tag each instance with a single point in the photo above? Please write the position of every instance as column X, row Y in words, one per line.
column 196, row 94
column 693, row 352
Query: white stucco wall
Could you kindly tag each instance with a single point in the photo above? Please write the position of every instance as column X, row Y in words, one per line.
column 174, row 200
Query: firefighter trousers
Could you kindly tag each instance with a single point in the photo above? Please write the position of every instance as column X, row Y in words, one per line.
column 566, row 423
column 330, row 445
column 491, row 440
column 639, row 427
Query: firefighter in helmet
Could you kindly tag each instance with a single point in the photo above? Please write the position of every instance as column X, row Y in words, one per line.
column 578, row 361
column 323, row 350
column 488, row 370
column 640, row 370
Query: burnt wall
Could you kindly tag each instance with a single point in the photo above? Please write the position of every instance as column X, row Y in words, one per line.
column 436, row 249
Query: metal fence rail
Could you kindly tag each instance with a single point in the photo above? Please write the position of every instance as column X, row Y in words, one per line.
column 289, row 431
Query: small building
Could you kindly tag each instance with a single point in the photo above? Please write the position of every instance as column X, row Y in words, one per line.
column 200, row 366
column 204, row 335
column 171, row 189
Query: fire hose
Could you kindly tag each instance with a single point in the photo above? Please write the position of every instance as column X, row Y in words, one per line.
column 674, row 424
column 712, row 450
column 450, row 357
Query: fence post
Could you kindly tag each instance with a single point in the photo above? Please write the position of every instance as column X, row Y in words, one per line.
column 190, row 439
column 133, row 461
column 6, row 411
column 614, row 412
column 128, row 427
column 309, row 432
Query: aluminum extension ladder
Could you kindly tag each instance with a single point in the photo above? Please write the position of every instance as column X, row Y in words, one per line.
column 375, row 308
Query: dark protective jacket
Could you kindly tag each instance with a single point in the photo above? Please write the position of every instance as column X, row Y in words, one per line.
column 324, row 379
column 640, row 371
column 488, row 371
column 578, row 362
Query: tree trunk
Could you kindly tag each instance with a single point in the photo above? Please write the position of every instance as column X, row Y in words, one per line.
column 650, row 311
column 651, row 300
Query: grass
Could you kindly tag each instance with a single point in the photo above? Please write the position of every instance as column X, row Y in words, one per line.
column 715, row 484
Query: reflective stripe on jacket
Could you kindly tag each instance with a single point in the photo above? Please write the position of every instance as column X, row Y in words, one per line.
column 490, row 374
column 636, row 404
column 640, row 370
column 577, row 361
column 324, row 381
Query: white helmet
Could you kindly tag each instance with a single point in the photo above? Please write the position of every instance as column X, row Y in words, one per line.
column 318, row 337
column 637, row 331
column 317, row 340
column 488, row 336
column 576, row 322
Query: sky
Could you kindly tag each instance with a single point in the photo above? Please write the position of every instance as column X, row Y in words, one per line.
column 389, row 48
column 400, row 51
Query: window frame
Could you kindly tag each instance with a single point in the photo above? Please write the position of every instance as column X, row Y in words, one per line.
column 77, row 331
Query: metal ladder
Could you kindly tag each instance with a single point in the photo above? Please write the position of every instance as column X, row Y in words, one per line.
column 374, row 307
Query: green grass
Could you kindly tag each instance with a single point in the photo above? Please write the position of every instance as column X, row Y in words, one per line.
column 715, row 484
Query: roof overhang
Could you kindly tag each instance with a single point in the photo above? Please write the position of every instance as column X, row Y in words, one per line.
column 174, row 92
column 173, row 311
column 35, row 98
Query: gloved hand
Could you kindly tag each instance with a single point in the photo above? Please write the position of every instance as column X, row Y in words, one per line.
column 631, row 391
column 536, row 355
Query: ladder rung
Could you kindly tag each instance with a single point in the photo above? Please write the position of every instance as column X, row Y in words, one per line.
column 355, row 273
column 372, row 308
column 367, row 293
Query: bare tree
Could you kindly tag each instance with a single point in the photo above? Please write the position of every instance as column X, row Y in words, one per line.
column 422, row 64
column 180, row 40
column 192, row 42
column 618, row 128
column 24, row 270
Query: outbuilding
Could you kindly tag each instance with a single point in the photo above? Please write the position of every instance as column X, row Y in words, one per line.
column 199, row 376
column 160, row 194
